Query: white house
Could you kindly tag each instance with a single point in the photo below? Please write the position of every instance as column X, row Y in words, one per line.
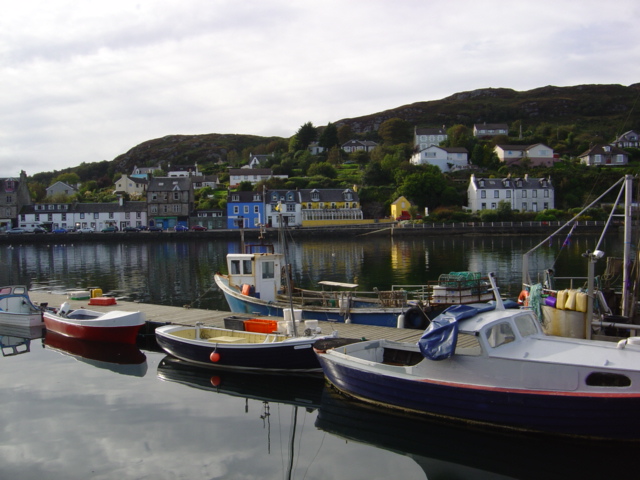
column 523, row 194
column 94, row 215
column 359, row 145
column 538, row 154
column 630, row 139
column 184, row 171
column 604, row 155
column 446, row 158
column 425, row 137
column 253, row 175
column 488, row 130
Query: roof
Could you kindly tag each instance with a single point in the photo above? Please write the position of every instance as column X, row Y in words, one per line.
column 327, row 194
column 510, row 183
column 430, row 131
column 244, row 197
column 86, row 207
column 599, row 149
column 250, row 171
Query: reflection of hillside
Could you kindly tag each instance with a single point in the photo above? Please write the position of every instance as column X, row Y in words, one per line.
column 447, row 450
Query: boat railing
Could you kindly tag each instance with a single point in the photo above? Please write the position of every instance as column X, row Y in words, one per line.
column 338, row 298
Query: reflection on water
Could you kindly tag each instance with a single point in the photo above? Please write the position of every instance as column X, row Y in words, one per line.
column 181, row 272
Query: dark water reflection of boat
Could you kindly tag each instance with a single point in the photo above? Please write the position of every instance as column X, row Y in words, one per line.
column 445, row 450
column 303, row 390
column 125, row 359
column 16, row 340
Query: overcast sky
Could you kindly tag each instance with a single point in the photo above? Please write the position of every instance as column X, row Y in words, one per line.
column 84, row 81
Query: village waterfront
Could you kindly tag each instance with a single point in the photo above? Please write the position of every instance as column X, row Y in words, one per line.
column 69, row 416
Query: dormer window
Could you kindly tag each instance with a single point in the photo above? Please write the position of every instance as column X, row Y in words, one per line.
column 315, row 195
column 274, row 197
column 289, row 196
column 235, row 198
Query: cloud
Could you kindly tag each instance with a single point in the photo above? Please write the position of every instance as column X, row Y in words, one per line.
column 85, row 82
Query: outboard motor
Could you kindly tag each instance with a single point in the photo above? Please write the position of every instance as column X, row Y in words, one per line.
column 65, row 308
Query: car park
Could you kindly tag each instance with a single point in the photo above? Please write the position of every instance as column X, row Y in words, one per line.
column 180, row 228
column 110, row 229
column 59, row 230
column 16, row 231
column 85, row 230
column 199, row 228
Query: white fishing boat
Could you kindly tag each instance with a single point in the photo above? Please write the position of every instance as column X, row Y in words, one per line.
column 492, row 365
column 17, row 309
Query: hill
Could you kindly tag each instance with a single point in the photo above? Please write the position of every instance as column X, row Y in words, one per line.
column 598, row 112
column 603, row 108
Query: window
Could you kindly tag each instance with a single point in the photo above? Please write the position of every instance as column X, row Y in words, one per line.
column 534, row 194
column 9, row 199
column 256, row 209
column 246, row 209
column 496, row 194
column 37, row 217
column 524, row 194
column 236, row 209
column 526, row 325
column 268, row 270
column 176, row 195
column 291, row 207
column 483, row 194
column 500, row 334
column 154, row 209
column 81, row 215
column 508, row 193
column 177, row 208
column 64, row 217
column 246, row 267
column 620, row 158
column 127, row 215
column 50, row 217
column 235, row 267
column 598, row 158
column 524, row 206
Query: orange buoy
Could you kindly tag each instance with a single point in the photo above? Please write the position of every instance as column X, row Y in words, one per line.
column 215, row 381
column 246, row 289
column 523, row 298
column 214, row 357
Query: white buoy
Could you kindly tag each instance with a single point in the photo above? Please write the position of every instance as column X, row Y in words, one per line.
column 401, row 320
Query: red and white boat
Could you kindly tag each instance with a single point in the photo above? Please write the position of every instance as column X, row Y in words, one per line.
column 111, row 326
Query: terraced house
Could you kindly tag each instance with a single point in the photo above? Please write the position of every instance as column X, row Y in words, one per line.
column 523, row 194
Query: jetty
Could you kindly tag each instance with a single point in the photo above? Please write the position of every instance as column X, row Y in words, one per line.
column 163, row 315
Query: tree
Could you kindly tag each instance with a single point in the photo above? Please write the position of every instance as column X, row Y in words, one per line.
column 344, row 134
column 329, row 137
column 306, row 134
column 322, row 168
column 395, row 131
column 70, row 178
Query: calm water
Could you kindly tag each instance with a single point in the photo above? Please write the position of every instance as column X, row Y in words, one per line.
column 71, row 411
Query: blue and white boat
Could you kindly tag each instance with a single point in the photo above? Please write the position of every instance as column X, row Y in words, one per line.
column 256, row 284
column 491, row 365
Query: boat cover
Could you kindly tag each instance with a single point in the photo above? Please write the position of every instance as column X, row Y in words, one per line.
column 438, row 342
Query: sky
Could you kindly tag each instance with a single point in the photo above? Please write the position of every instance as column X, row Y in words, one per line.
column 85, row 81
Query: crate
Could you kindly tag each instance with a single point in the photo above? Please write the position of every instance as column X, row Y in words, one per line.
column 260, row 326
column 234, row 323
column 104, row 301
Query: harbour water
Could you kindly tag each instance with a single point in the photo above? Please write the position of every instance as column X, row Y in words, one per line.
column 77, row 411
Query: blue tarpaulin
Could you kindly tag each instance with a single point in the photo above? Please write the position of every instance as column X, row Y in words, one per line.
column 439, row 339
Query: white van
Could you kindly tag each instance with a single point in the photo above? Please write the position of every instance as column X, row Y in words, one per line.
column 33, row 227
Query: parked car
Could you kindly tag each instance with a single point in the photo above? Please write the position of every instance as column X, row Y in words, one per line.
column 181, row 228
column 85, row 230
column 109, row 229
column 199, row 228
column 39, row 230
column 16, row 231
column 130, row 229
column 59, row 230
column 155, row 228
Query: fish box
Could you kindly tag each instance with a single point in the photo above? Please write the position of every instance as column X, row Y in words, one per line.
column 80, row 295
column 234, row 323
column 260, row 326
column 104, row 301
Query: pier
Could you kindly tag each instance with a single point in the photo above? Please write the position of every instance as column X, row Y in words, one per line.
column 163, row 314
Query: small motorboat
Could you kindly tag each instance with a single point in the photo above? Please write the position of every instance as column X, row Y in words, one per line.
column 16, row 308
column 223, row 348
column 112, row 326
column 491, row 365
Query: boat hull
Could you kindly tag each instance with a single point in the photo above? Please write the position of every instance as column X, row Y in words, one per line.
column 564, row 413
column 297, row 355
column 377, row 316
column 118, row 330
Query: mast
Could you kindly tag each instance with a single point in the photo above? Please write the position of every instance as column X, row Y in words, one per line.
column 627, row 299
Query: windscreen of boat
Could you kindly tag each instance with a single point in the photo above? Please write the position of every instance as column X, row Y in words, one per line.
column 500, row 334
column 526, row 325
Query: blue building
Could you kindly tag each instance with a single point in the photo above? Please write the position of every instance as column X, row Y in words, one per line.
column 245, row 209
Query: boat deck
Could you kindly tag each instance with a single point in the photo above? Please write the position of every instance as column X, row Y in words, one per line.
column 163, row 314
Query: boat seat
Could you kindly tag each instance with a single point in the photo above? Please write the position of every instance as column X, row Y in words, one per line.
column 227, row 339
